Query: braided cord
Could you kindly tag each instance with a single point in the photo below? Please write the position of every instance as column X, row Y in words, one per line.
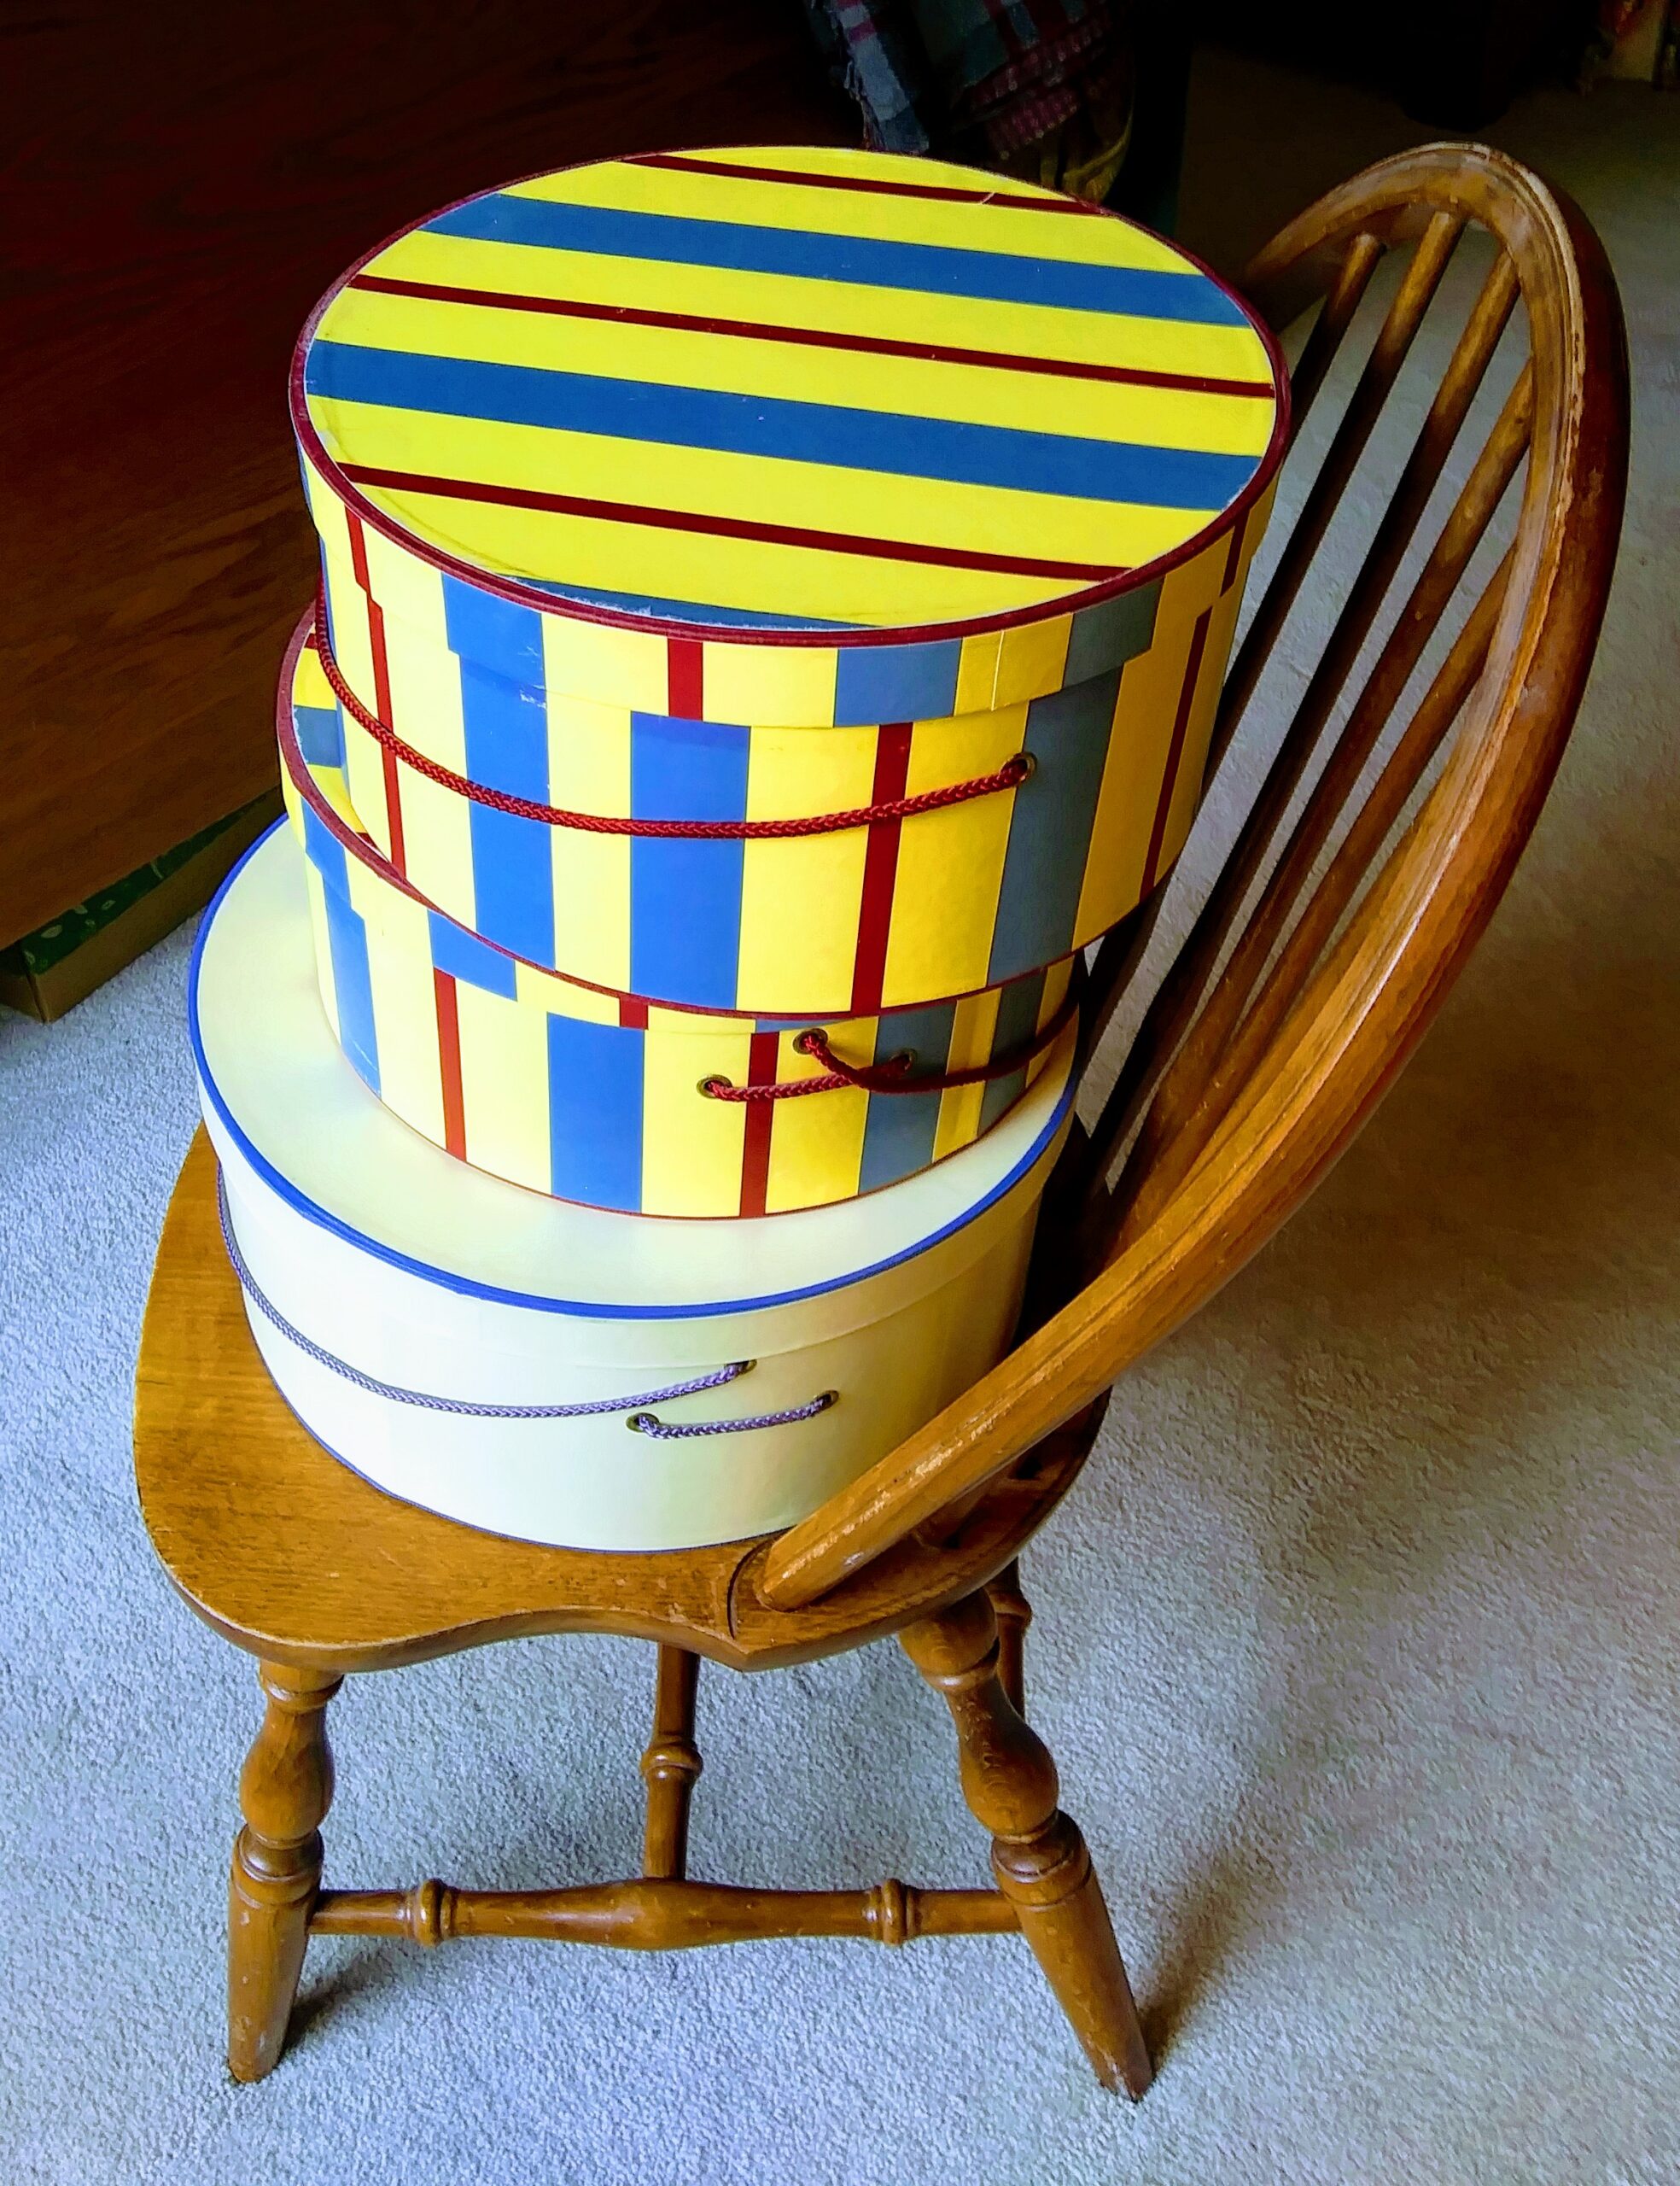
column 1012, row 772
column 642, row 1422
column 355, row 1375
column 891, row 1077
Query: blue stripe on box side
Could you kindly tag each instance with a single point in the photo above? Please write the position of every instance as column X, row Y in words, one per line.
column 325, row 852
column 1016, row 1021
column 802, row 432
column 320, row 735
column 353, row 983
column 1113, row 632
column 465, row 956
column 685, row 896
column 876, row 683
column 1050, row 828
column 541, row 224
column 506, row 727
column 505, row 643
column 899, row 1132
column 467, row 1286
column 595, row 1112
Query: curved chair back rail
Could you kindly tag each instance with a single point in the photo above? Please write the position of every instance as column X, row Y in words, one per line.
column 1272, row 1037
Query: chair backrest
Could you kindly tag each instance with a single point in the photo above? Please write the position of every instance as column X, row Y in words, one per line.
column 1316, row 962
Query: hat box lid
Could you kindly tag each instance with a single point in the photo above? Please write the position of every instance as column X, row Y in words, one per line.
column 789, row 436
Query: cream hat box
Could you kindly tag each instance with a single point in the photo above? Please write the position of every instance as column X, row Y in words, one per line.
column 566, row 1374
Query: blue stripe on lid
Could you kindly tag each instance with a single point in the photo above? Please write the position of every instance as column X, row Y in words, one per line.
column 685, row 610
column 990, row 456
column 1063, row 284
column 1110, row 631
column 325, row 851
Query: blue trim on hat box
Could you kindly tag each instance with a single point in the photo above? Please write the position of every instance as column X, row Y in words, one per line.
column 444, row 1279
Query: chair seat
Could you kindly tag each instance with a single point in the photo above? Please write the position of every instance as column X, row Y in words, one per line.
column 291, row 1554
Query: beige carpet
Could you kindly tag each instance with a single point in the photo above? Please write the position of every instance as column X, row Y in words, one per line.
column 1356, row 1647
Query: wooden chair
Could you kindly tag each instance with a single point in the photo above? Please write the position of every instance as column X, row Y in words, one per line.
column 1309, row 975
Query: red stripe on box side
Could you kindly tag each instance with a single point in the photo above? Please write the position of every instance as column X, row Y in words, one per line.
column 763, row 1052
column 1187, row 700
column 685, row 679
column 880, row 869
column 381, row 691
column 449, row 1063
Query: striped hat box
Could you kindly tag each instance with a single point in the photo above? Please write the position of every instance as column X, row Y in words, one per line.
column 487, row 811
column 560, row 1373
column 608, row 1099
column 774, row 441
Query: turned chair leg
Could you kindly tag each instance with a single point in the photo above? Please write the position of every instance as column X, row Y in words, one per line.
column 1038, row 1855
column 1013, row 1612
column 285, row 1789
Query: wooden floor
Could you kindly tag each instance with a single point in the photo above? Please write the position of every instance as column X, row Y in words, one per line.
column 183, row 189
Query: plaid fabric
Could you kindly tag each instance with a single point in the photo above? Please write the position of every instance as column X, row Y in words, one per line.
column 985, row 80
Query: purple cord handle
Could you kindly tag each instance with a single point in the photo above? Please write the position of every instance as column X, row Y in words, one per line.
column 642, row 1422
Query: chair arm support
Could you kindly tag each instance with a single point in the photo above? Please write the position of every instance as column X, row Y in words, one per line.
column 1281, row 1137
column 1277, row 1141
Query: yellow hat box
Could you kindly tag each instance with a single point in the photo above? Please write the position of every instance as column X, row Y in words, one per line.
column 609, row 1099
column 565, row 1374
column 783, row 581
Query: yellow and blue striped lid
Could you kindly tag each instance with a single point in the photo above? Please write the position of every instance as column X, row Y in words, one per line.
column 864, row 415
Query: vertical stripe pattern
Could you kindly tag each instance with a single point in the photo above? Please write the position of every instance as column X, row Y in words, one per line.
column 894, row 914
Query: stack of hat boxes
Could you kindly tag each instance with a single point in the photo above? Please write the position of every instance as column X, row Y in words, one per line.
column 773, row 608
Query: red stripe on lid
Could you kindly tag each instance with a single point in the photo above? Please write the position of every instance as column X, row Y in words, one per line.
column 872, row 185
column 812, row 337
column 729, row 527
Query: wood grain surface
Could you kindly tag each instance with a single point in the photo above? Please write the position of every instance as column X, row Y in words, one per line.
column 182, row 183
column 291, row 1554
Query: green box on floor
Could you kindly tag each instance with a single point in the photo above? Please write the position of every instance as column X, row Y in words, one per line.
column 49, row 971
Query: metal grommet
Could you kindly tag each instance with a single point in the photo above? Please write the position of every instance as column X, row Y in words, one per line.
column 1025, row 764
column 713, row 1087
column 639, row 1422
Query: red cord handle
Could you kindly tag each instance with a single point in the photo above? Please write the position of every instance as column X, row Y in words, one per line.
column 1010, row 775
column 890, row 1077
